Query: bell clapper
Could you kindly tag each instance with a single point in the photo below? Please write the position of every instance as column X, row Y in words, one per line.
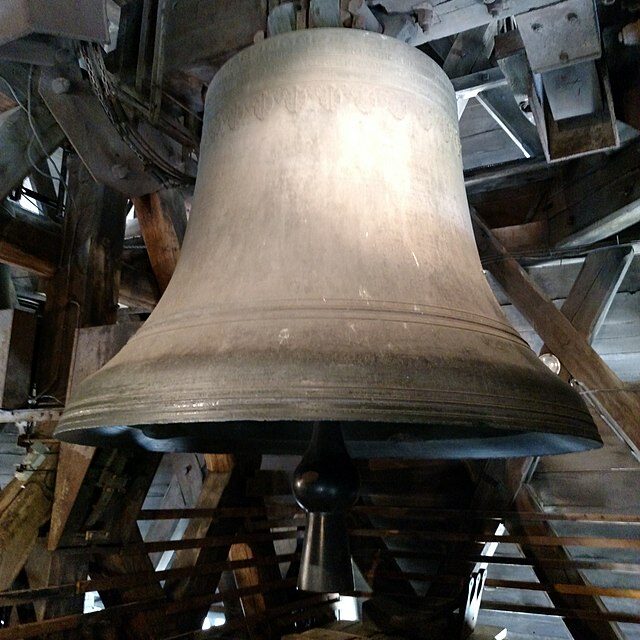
column 325, row 484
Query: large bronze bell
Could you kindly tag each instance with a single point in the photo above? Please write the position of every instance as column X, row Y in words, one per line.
column 329, row 282
column 329, row 272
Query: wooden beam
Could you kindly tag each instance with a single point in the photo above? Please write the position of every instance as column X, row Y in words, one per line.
column 224, row 485
column 564, row 340
column 525, row 239
column 33, row 242
column 584, row 201
column 43, row 569
column 28, row 241
column 220, row 469
column 160, row 215
column 183, row 491
column 592, row 293
column 608, row 225
column 252, row 605
column 595, row 198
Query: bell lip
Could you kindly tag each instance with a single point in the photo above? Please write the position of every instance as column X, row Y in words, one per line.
column 390, row 440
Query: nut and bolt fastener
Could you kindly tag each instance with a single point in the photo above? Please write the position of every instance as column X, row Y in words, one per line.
column 60, row 85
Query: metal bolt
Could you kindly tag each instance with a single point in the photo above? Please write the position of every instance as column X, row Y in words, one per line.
column 536, row 26
column 564, row 56
column 572, row 17
column 60, row 85
column 64, row 56
column 119, row 171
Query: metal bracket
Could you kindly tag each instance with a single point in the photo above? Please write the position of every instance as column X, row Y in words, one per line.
column 469, row 615
column 560, row 35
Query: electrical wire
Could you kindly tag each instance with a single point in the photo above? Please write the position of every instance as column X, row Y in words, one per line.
column 108, row 95
column 27, row 109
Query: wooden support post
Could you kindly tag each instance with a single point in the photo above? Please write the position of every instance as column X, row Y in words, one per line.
column 254, row 604
column 84, row 290
column 162, row 221
column 562, row 338
column 99, row 493
column 224, row 485
column 93, row 348
column 184, row 488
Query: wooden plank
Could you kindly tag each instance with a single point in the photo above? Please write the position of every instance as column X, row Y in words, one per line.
column 25, row 506
column 218, row 541
column 44, row 568
column 588, row 302
column 624, row 567
column 567, row 588
column 560, row 335
column 123, row 480
column 124, row 581
column 123, row 613
column 402, row 512
column 567, row 614
column 585, row 307
column 599, row 489
column 470, row 49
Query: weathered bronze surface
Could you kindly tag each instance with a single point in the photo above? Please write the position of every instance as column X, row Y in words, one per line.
column 329, row 272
